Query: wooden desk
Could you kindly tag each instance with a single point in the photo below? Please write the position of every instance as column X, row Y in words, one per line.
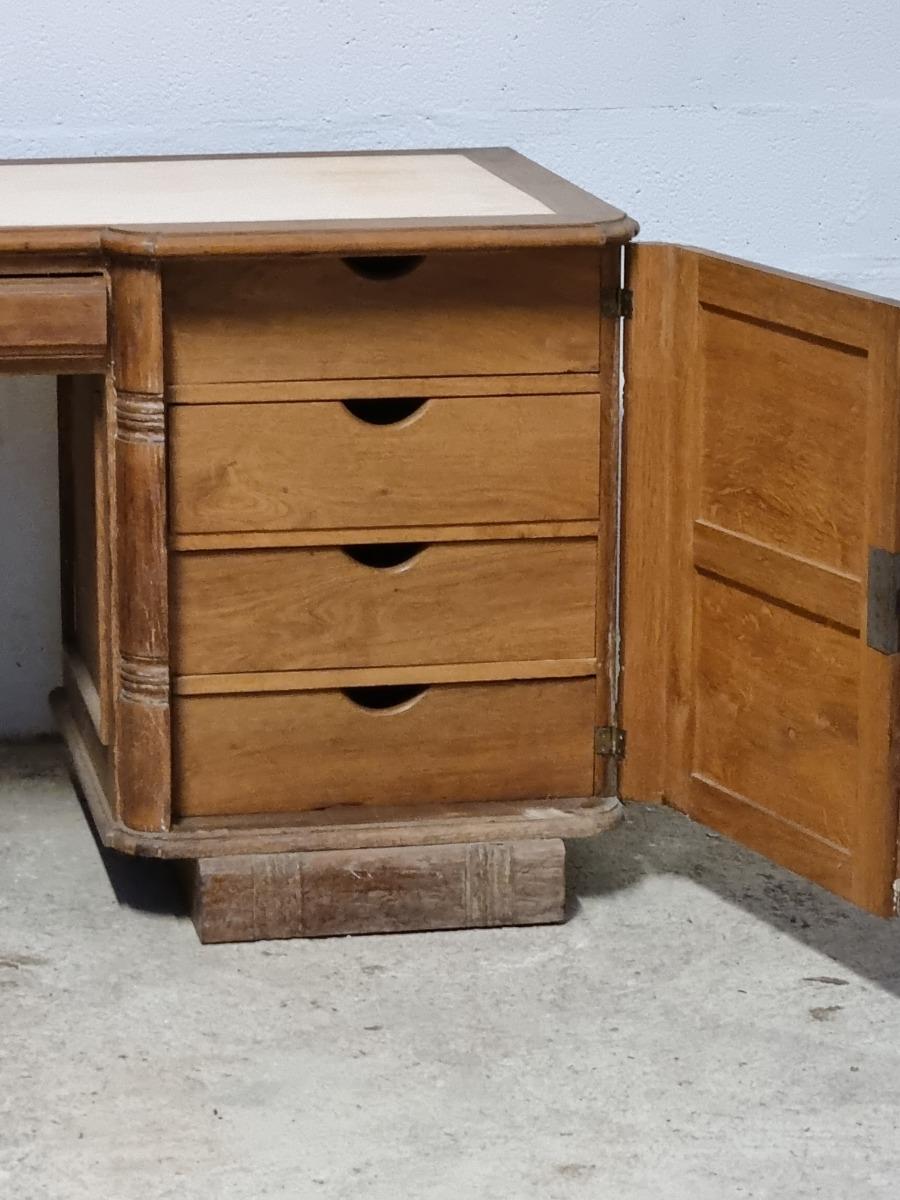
column 340, row 508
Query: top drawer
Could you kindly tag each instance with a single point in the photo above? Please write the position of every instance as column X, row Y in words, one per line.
column 467, row 313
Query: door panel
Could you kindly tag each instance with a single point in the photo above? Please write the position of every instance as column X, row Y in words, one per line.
column 782, row 426
column 761, row 437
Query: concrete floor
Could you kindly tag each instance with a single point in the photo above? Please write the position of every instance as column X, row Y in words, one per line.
column 705, row 1026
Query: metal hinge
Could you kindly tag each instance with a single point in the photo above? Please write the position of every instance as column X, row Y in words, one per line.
column 610, row 741
column 883, row 621
column 617, row 302
column 897, row 897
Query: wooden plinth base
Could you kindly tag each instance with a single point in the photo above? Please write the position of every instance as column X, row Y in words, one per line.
column 242, row 898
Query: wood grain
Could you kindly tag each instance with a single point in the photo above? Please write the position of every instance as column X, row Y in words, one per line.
column 341, row 828
column 781, row 302
column 834, row 595
column 271, row 539
column 777, row 402
column 770, row 835
column 453, row 314
column 876, row 865
column 65, row 488
column 318, row 608
column 83, row 707
column 84, row 498
column 776, row 709
column 137, row 327
column 285, row 752
column 142, row 752
column 340, row 238
column 317, row 680
column 90, row 541
column 390, row 890
column 606, row 625
column 298, row 390
column 649, row 468
column 53, row 322
column 291, row 466
column 42, row 263
column 91, row 761
column 78, row 679
column 782, row 428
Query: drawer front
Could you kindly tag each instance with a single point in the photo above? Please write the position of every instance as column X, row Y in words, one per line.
column 383, row 605
column 520, row 312
column 295, row 751
column 326, row 465
column 45, row 320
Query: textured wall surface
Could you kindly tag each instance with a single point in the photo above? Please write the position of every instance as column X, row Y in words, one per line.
column 765, row 128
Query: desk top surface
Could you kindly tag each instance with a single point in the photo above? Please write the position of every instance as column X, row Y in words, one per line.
column 69, row 204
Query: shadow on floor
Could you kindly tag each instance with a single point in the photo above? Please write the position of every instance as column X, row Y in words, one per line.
column 653, row 841
column 148, row 884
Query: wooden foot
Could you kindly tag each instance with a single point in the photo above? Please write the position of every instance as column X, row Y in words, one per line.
column 399, row 889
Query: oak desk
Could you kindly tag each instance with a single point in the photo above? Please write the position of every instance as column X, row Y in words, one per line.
column 361, row 600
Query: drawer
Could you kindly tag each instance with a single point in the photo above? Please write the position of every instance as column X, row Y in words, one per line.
column 513, row 312
column 294, row 751
column 53, row 321
column 384, row 463
column 383, row 605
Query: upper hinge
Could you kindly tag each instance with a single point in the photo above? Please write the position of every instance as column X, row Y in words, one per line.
column 610, row 741
column 617, row 302
column 883, row 619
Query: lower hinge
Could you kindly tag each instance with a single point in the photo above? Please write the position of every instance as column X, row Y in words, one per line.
column 897, row 897
column 610, row 741
column 883, row 602
column 617, row 302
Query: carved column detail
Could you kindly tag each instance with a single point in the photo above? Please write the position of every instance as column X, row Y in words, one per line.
column 140, row 418
column 143, row 743
column 143, row 682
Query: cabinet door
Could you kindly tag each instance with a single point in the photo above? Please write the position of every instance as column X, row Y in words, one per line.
column 760, row 598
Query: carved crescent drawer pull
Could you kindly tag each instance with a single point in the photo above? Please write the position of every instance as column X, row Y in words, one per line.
column 383, row 412
column 387, row 266
column 384, row 556
column 386, row 698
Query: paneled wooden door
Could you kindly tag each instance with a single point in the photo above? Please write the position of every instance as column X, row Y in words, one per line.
column 762, row 434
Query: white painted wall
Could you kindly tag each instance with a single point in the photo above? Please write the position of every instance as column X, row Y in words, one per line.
column 765, row 128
